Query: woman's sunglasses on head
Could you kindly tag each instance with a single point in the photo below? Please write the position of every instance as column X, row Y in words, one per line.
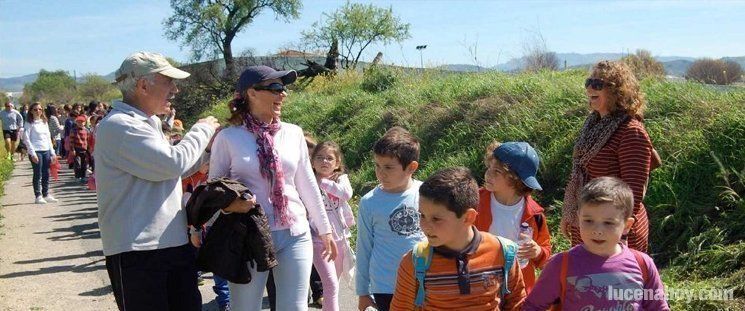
column 595, row 84
column 275, row 88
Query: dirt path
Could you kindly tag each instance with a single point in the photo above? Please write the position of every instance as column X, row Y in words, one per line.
column 50, row 255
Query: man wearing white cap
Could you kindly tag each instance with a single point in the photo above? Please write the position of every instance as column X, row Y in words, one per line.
column 143, row 228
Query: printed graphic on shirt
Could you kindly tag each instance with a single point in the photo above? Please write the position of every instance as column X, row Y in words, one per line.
column 404, row 220
column 593, row 289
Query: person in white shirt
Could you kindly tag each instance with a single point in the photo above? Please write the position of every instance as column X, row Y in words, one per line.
column 271, row 158
column 12, row 121
column 40, row 152
column 143, row 227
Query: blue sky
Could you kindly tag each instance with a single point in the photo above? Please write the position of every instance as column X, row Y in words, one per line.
column 88, row 36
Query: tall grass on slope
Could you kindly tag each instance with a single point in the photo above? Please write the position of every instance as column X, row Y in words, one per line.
column 457, row 115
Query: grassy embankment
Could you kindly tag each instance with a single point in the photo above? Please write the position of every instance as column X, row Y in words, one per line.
column 695, row 199
column 6, row 167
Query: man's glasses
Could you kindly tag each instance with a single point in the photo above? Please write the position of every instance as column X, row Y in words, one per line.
column 276, row 88
column 595, row 84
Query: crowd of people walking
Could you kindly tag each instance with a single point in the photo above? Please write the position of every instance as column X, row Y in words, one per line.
column 441, row 243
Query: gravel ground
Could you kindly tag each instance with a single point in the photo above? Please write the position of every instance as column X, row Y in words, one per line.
column 50, row 255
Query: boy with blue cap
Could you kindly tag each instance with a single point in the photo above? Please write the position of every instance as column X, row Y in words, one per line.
column 505, row 203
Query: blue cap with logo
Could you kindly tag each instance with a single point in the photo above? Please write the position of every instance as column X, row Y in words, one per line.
column 522, row 159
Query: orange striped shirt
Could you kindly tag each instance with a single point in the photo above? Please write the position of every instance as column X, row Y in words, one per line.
column 485, row 266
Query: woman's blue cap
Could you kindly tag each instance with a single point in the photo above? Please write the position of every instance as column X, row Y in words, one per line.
column 255, row 74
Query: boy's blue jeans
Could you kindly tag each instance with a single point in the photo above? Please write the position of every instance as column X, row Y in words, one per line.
column 221, row 290
column 41, row 173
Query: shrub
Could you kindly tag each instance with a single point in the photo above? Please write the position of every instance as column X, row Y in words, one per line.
column 643, row 64
column 541, row 60
column 711, row 71
column 378, row 79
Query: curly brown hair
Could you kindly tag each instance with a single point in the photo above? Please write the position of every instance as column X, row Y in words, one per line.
column 622, row 86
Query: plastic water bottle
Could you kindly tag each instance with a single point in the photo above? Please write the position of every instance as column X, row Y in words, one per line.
column 526, row 234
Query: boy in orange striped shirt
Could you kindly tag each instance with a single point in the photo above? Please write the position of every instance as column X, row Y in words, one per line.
column 467, row 267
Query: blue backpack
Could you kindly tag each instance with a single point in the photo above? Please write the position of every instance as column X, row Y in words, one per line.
column 422, row 256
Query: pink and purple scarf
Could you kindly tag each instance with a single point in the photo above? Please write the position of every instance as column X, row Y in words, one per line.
column 271, row 167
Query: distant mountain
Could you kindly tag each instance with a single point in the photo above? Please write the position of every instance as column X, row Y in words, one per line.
column 677, row 68
column 574, row 60
column 15, row 84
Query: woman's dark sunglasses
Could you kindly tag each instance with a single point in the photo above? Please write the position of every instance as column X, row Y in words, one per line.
column 595, row 84
column 275, row 88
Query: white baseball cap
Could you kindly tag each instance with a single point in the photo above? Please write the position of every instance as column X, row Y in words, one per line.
column 142, row 63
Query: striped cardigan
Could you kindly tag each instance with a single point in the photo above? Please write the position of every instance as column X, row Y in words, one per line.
column 628, row 156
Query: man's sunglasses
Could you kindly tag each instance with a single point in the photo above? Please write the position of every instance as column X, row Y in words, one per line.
column 276, row 88
column 595, row 84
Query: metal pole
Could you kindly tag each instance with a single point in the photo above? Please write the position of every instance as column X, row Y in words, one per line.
column 421, row 58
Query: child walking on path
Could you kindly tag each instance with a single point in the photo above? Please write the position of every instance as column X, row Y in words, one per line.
column 327, row 161
column 197, row 235
column 388, row 218
column 602, row 273
column 505, row 204
column 458, row 267
column 79, row 143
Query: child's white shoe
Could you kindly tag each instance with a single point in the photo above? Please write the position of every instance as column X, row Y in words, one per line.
column 50, row 198
column 40, row 200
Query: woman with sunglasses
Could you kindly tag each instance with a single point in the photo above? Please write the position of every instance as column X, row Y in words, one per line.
column 39, row 144
column 612, row 142
column 271, row 158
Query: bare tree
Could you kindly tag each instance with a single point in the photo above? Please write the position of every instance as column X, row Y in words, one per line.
column 473, row 50
column 711, row 71
column 537, row 56
column 734, row 72
column 643, row 64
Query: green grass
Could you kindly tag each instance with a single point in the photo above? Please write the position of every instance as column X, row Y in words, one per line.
column 6, row 168
column 694, row 200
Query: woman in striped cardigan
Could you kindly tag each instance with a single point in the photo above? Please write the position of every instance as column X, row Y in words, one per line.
column 612, row 142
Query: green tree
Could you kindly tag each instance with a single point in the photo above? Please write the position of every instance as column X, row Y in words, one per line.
column 56, row 86
column 355, row 26
column 209, row 26
column 644, row 65
column 3, row 98
column 94, row 87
